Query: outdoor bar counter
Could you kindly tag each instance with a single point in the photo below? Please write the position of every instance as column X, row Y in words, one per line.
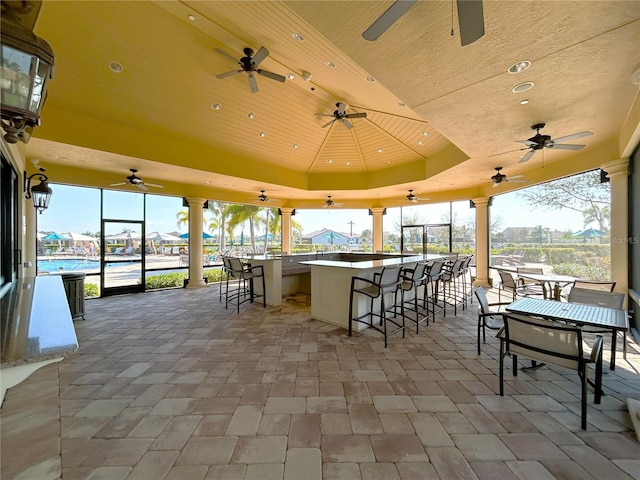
column 331, row 283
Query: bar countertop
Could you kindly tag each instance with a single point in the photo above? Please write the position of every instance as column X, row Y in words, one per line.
column 36, row 322
column 366, row 264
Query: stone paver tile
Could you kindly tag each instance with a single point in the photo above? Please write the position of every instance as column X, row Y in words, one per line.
column 303, row 464
column 514, row 422
column 326, row 405
column 335, row 424
column 244, row 421
column 529, row 470
column 492, row 470
column 455, row 422
column 78, row 427
column 211, row 425
column 379, row 471
column 109, row 473
column 457, row 374
column 456, row 392
column 135, row 370
column 228, row 472
column 450, row 463
column 153, row 465
column 174, row 406
column 346, row 448
column 480, row 418
column 434, row 403
column 104, row 408
column 612, row 445
column 187, row 472
column 212, row 406
column 274, row 424
column 118, row 452
column 177, row 433
column 567, row 469
column 395, row 423
column 255, row 394
column 482, row 447
column 496, row 403
column 207, row 451
column 393, row 403
column 306, row 387
column 364, row 419
column 416, row 471
column 594, row 463
column 532, row 446
column 340, row 471
column 267, row 449
column 369, row 376
column 631, row 467
column 552, row 429
column 357, row 393
column 150, row 426
column 304, row 431
column 122, row 424
column 398, row 447
column 332, row 389
column 539, row 403
column 285, row 405
column 429, row 430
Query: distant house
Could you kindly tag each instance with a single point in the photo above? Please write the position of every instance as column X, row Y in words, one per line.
column 517, row 234
column 327, row 237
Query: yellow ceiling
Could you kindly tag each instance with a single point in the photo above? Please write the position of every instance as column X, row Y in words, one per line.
column 437, row 112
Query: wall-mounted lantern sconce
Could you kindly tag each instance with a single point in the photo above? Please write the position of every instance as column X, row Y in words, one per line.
column 40, row 193
column 25, row 66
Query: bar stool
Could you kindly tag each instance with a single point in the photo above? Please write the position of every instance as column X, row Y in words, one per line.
column 434, row 273
column 388, row 281
column 244, row 273
column 412, row 280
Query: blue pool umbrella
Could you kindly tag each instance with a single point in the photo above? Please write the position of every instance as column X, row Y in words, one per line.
column 55, row 236
column 331, row 237
column 204, row 235
column 242, row 238
column 588, row 233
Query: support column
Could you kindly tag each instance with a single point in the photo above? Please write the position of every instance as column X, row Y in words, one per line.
column 482, row 242
column 195, row 242
column 618, row 173
column 30, row 215
column 285, row 233
column 378, row 230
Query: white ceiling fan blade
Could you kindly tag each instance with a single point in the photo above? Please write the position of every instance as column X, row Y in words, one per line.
column 271, row 75
column 225, row 54
column 519, row 181
column 346, row 123
column 564, row 146
column 253, row 84
column 495, row 185
column 527, row 156
column 141, row 186
column 509, row 151
column 153, row 185
column 388, row 18
column 526, row 142
column 260, row 56
column 356, row 115
column 228, row 74
column 515, row 176
column 329, row 123
column 470, row 20
column 118, row 184
column 571, row 137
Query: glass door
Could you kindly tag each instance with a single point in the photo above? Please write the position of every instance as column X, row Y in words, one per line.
column 423, row 239
column 122, row 257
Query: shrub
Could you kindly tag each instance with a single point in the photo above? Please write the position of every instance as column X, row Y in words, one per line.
column 166, row 280
column 561, row 255
column 91, row 290
column 213, row 276
column 598, row 271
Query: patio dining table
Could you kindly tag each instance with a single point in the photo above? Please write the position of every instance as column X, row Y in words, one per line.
column 576, row 313
column 552, row 284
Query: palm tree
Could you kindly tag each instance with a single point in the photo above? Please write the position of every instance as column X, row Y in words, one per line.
column 219, row 211
column 183, row 218
column 239, row 214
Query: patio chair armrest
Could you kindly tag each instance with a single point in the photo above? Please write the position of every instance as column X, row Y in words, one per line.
column 596, row 350
column 361, row 279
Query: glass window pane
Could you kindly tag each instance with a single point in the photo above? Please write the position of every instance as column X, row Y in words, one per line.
column 123, row 205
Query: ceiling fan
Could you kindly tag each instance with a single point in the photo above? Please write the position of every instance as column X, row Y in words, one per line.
column 249, row 64
column 330, row 203
column 499, row 177
column 412, row 197
column 136, row 181
column 539, row 141
column 263, row 197
column 470, row 20
column 341, row 115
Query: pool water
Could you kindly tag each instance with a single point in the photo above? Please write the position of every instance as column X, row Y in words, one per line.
column 72, row 265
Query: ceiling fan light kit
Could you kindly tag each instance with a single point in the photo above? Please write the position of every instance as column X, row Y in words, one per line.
column 249, row 64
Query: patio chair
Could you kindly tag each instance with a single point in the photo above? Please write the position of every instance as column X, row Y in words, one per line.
column 602, row 299
column 532, row 287
column 552, row 343
column 245, row 274
column 508, row 283
column 487, row 318
column 595, row 285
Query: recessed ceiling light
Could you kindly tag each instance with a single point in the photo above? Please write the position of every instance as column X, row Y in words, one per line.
column 389, row 162
column 251, row 115
column 329, row 161
column 420, row 142
column 295, row 145
column 262, row 134
column 425, row 133
column 522, row 87
column 330, row 64
column 216, row 106
column 380, row 150
column 191, row 17
column 115, row 67
column 297, row 37
column 209, row 181
column 519, row 66
column 402, row 104
column 348, row 163
column 524, row 102
column 291, row 76
column 370, row 79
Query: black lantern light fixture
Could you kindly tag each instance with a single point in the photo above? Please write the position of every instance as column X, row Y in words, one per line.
column 26, row 64
column 41, row 193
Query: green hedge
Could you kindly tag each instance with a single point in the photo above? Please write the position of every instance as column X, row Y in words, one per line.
column 91, row 290
column 589, row 272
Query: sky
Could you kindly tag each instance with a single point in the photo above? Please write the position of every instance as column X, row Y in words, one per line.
column 77, row 209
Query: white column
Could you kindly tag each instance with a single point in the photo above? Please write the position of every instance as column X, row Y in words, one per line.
column 286, row 230
column 195, row 242
column 482, row 241
column 618, row 171
column 31, row 224
column 378, row 229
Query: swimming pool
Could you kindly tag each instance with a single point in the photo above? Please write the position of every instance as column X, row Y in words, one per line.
column 74, row 265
